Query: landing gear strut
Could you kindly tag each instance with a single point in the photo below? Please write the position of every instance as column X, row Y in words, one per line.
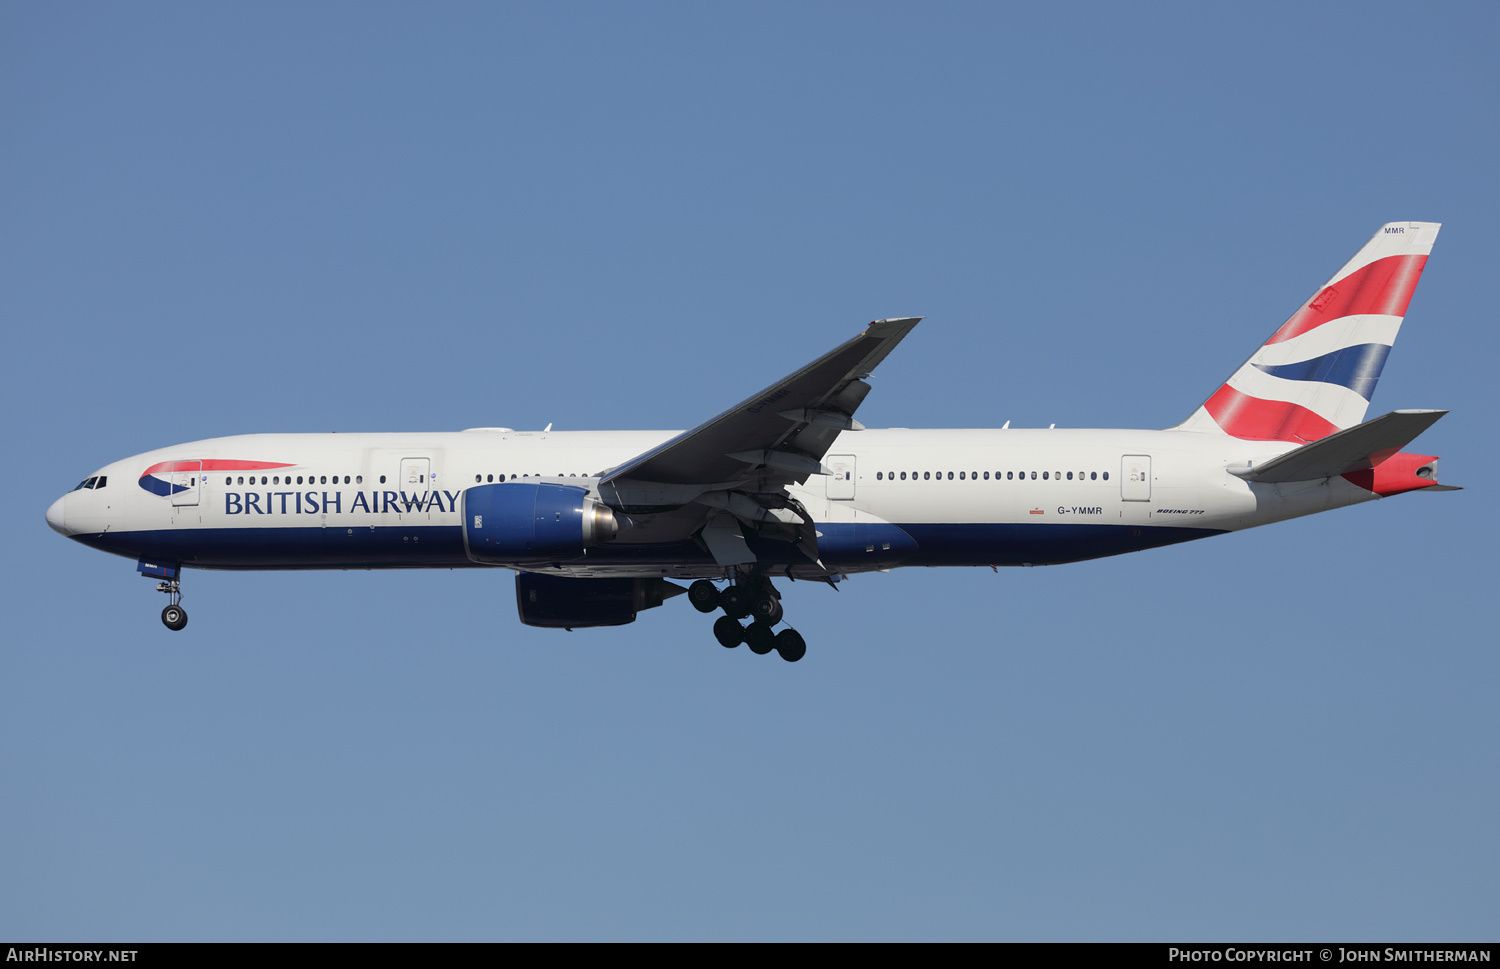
column 174, row 617
column 750, row 596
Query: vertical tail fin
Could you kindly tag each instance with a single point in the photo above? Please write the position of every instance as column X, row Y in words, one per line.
column 1315, row 375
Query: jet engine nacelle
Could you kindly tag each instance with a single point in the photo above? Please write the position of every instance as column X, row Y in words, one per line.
column 560, row 602
column 518, row 522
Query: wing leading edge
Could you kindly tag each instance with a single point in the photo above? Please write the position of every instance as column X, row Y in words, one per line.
column 726, row 479
column 782, row 432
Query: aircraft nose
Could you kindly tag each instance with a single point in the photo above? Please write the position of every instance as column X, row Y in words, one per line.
column 57, row 518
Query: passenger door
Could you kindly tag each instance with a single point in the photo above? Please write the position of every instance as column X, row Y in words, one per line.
column 185, row 484
column 841, row 481
column 1135, row 477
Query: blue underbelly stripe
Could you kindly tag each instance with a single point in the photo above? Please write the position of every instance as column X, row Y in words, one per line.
column 842, row 546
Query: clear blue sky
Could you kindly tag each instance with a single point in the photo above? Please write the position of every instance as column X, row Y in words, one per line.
column 230, row 218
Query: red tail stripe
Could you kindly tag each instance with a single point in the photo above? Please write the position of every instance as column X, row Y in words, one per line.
column 1383, row 287
column 1253, row 419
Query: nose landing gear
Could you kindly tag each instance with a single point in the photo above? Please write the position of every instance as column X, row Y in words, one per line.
column 174, row 617
column 750, row 596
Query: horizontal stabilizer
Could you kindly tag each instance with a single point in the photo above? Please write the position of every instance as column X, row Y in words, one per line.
column 1358, row 448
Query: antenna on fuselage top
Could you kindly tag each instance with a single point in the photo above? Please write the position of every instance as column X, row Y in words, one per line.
column 547, row 428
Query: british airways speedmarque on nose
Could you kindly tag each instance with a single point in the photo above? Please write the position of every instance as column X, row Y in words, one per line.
column 787, row 484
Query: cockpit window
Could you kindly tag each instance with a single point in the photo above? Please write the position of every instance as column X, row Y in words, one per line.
column 97, row 481
column 100, row 482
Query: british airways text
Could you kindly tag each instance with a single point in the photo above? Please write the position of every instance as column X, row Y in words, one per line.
column 315, row 503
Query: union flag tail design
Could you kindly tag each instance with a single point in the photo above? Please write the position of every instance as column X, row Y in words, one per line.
column 1316, row 374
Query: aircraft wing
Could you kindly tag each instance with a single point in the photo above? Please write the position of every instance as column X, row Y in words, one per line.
column 780, row 434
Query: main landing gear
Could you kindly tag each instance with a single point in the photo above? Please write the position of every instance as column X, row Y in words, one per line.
column 754, row 597
column 174, row 617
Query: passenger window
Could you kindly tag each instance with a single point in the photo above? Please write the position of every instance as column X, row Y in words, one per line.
column 961, row 476
column 229, row 481
column 986, row 476
column 1093, row 476
column 1033, row 476
column 382, row 479
column 359, row 479
column 1070, row 476
column 242, row 479
column 950, row 475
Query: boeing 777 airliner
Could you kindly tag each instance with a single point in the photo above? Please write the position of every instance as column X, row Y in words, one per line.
column 786, row 483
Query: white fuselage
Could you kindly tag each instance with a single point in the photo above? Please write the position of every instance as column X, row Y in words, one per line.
column 964, row 497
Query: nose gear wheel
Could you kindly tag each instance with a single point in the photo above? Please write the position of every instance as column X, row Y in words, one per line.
column 174, row 617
